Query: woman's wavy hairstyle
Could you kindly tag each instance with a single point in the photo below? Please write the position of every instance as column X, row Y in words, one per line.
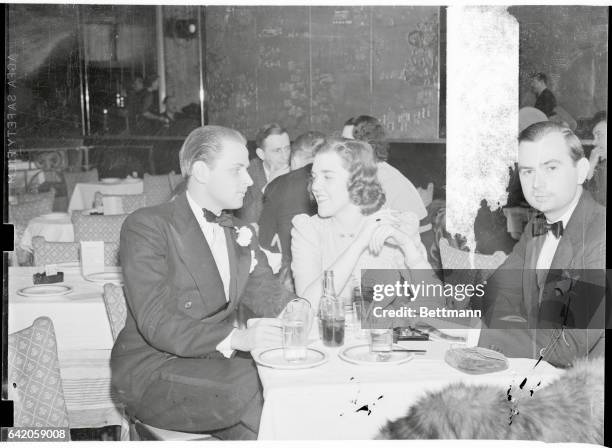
column 369, row 129
column 358, row 159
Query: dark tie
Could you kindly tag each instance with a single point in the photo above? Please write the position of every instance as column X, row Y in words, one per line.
column 224, row 219
column 541, row 227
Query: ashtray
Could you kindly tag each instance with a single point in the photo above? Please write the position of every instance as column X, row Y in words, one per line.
column 42, row 278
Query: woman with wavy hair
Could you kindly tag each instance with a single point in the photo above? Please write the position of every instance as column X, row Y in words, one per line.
column 352, row 230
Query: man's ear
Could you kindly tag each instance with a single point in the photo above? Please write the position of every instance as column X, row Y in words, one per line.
column 200, row 172
column 583, row 169
column 260, row 153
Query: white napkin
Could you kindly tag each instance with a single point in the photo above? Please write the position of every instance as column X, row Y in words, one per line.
column 92, row 257
column 112, row 205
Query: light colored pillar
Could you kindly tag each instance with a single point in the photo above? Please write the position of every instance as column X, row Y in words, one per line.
column 482, row 111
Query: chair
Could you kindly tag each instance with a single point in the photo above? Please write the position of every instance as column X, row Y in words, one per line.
column 34, row 382
column 156, row 189
column 71, row 179
column 97, row 227
column 116, row 310
column 52, row 252
column 129, row 202
column 457, row 259
column 29, row 206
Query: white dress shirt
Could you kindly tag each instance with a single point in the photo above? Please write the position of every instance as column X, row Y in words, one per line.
column 547, row 253
column 215, row 237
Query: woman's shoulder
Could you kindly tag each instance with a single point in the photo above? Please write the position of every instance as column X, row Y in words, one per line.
column 303, row 221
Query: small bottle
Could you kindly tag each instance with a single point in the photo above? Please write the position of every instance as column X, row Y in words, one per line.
column 331, row 313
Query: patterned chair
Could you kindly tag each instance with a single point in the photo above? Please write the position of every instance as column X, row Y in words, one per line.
column 34, row 382
column 71, row 179
column 116, row 310
column 129, row 202
column 97, row 227
column 29, row 206
column 156, row 189
column 51, row 252
column 457, row 267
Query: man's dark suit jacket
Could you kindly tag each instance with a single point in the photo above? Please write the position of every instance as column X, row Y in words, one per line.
column 253, row 199
column 285, row 197
column 546, row 102
column 582, row 250
column 176, row 301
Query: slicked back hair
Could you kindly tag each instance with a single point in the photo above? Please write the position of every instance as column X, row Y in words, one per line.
column 538, row 131
column 205, row 143
column 306, row 144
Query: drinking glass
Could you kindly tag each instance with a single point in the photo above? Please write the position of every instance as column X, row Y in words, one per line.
column 296, row 320
column 381, row 341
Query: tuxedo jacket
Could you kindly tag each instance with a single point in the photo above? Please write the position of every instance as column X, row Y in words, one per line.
column 175, row 296
column 285, row 197
column 253, row 199
column 516, row 289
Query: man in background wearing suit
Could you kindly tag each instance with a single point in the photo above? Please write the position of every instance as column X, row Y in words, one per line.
column 273, row 147
column 188, row 266
column 288, row 196
column 545, row 99
column 557, row 269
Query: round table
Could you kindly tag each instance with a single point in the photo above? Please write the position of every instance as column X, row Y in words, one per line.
column 53, row 227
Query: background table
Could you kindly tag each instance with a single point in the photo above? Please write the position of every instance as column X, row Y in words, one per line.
column 84, row 343
column 84, row 192
column 323, row 402
column 54, row 227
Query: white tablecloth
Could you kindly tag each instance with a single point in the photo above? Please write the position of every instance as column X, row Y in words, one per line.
column 84, row 343
column 83, row 195
column 54, row 227
column 323, row 402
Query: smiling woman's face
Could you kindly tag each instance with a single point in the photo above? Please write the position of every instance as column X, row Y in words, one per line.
column 330, row 184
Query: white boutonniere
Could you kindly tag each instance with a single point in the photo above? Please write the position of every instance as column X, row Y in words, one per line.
column 244, row 236
column 253, row 261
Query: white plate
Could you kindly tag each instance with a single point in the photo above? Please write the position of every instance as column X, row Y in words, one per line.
column 360, row 354
column 45, row 290
column 109, row 276
column 274, row 359
column 110, row 180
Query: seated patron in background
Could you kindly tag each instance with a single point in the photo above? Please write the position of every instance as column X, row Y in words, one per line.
column 288, row 196
column 401, row 194
column 568, row 236
column 188, row 267
column 597, row 177
column 545, row 100
column 273, row 147
column 351, row 231
column 150, row 120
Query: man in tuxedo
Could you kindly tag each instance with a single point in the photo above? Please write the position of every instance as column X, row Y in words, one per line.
column 181, row 362
column 273, row 148
column 545, row 99
column 557, row 269
column 288, row 196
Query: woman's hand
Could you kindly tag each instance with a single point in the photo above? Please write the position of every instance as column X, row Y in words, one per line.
column 372, row 223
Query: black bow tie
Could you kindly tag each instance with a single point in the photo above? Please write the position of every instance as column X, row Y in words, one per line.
column 224, row 219
column 541, row 227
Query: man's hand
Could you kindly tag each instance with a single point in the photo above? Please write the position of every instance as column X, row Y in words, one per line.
column 260, row 333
